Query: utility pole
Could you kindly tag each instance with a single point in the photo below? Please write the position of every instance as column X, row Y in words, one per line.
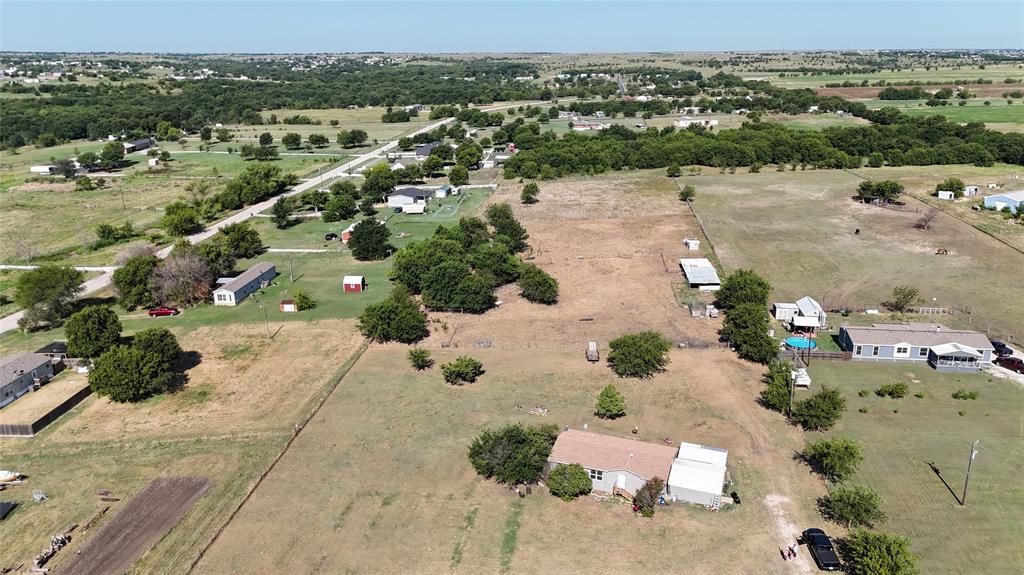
column 291, row 274
column 266, row 319
column 974, row 452
column 120, row 187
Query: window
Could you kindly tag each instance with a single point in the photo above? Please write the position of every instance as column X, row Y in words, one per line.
column 923, row 352
column 596, row 475
column 860, row 349
column 222, row 297
column 902, row 351
column 874, row 350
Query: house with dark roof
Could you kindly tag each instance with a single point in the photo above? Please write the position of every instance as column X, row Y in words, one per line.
column 138, row 145
column 423, row 150
column 407, row 196
column 233, row 292
column 941, row 347
column 19, row 374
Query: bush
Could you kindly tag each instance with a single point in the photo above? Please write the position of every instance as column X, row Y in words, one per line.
column 610, row 403
column 397, row 318
column 820, row 411
column 420, row 359
column 568, row 482
column 303, row 301
column 919, row 395
column 513, row 454
column 863, row 393
column 462, row 370
column 836, row 459
column 776, row 392
column 873, row 553
column 537, row 285
column 529, row 193
column 639, row 354
column 852, row 507
column 646, row 497
column 92, row 331
column 896, row 390
column 128, row 374
column 863, row 409
column 964, row 394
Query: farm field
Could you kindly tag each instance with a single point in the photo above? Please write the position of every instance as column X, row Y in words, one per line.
column 981, row 537
column 435, row 513
column 995, row 72
column 805, row 242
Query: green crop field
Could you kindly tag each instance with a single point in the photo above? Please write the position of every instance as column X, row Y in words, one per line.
column 995, row 72
column 900, row 437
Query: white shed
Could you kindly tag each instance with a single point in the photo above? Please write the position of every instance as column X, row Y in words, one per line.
column 414, row 209
column 945, row 195
column 691, row 244
column 698, row 474
column 700, row 273
column 785, row 311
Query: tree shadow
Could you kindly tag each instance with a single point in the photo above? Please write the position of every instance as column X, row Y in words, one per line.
column 187, row 361
column 938, row 473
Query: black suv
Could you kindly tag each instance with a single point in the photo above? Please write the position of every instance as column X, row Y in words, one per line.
column 1002, row 350
column 821, row 549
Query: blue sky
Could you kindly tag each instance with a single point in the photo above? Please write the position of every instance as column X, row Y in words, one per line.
column 504, row 25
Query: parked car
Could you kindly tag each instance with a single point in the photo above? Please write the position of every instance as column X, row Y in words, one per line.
column 398, row 210
column 821, row 549
column 330, row 237
column 163, row 311
column 1002, row 350
column 1011, row 363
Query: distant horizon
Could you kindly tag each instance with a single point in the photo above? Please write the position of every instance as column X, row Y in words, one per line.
column 281, row 27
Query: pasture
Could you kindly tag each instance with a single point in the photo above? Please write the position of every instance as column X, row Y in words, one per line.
column 798, row 229
column 900, row 437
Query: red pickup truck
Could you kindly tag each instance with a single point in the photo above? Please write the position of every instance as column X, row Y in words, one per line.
column 162, row 311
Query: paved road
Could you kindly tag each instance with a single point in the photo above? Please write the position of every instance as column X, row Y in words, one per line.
column 10, row 322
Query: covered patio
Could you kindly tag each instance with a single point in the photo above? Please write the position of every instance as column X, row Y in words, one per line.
column 955, row 357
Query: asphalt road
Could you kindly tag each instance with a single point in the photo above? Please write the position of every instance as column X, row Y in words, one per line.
column 10, row 322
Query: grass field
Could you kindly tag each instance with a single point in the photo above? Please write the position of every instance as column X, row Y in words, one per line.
column 981, row 537
column 995, row 72
column 804, row 242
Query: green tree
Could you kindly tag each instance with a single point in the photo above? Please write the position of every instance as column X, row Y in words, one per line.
column 529, row 193
column 955, row 185
column 241, row 239
column 92, row 331
column 567, row 482
column 281, row 213
column 397, row 318
column 379, row 182
column 369, row 240
column 458, row 176
column 420, row 359
column 740, row 287
column 820, row 411
column 405, row 143
column 339, row 208
column 494, row 263
column 303, row 301
column 836, row 459
column 462, row 370
column 432, row 165
column 873, row 553
column 885, row 190
column 131, row 281
column 852, row 506
column 223, row 135
column 83, row 184
column 160, row 342
column 876, row 160
column 777, row 383
column 88, row 159
column 673, row 171
column 513, row 454
column 687, row 194
column 292, row 141
column 49, row 291
column 537, row 285
column 646, row 498
column 468, row 155
column 266, row 139
column 318, row 140
column 746, row 328
column 505, row 224
column 366, row 206
column 180, row 219
column 903, row 298
column 610, row 403
column 639, row 354
column 128, row 374
column 111, row 155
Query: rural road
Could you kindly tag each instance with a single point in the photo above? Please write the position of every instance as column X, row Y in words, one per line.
column 10, row 322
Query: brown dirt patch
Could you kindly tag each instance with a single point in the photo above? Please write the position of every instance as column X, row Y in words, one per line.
column 146, row 518
column 613, row 244
column 56, row 186
column 243, row 383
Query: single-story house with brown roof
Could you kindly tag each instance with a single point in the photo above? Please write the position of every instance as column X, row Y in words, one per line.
column 943, row 348
column 616, row 465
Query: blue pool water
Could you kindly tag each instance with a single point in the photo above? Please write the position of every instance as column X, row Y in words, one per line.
column 801, row 343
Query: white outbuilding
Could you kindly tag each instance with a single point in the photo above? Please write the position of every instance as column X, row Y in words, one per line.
column 698, row 474
column 700, row 273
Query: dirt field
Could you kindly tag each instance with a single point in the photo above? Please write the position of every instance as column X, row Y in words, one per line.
column 244, row 384
column 139, row 524
column 383, row 466
column 613, row 243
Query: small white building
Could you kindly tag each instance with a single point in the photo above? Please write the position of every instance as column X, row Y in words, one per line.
column 444, row 192
column 698, row 474
column 700, row 273
column 43, row 170
column 414, row 209
column 233, row 292
column 806, row 312
column 686, row 122
column 691, row 244
column 970, row 191
column 945, row 195
column 406, row 196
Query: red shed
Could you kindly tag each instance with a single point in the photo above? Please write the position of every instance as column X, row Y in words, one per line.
column 354, row 283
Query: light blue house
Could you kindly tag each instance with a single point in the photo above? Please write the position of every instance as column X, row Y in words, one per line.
column 943, row 348
column 1012, row 200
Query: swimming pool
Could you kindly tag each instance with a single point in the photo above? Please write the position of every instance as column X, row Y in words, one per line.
column 800, row 343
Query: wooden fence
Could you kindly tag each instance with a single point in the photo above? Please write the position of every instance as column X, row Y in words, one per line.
column 30, row 429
